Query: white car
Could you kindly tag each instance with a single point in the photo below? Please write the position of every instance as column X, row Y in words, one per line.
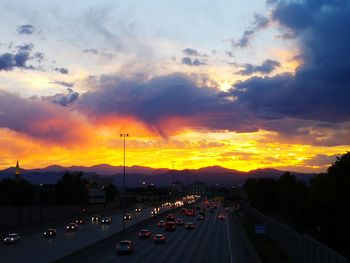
column 106, row 220
column 12, row 238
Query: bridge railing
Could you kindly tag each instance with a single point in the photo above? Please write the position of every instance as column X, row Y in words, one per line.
column 298, row 248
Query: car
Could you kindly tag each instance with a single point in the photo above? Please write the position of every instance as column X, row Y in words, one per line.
column 200, row 217
column 179, row 222
column 154, row 212
column 50, row 232
column 72, row 227
column 183, row 210
column 159, row 238
column 189, row 225
column 170, row 226
column 170, row 218
column 161, row 223
column 127, row 216
column 138, row 210
column 125, row 247
column 12, row 238
column 221, row 216
column 227, row 209
column 144, row 233
column 80, row 221
column 95, row 218
column 106, row 220
column 190, row 212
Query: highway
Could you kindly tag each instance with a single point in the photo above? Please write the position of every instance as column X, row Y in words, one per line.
column 212, row 240
column 35, row 248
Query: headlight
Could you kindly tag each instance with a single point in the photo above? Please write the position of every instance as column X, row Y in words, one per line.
column 12, row 239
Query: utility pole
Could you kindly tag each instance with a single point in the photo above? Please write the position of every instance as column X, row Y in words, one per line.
column 124, row 135
column 173, row 181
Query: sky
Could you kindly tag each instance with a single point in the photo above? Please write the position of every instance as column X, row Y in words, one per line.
column 240, row 84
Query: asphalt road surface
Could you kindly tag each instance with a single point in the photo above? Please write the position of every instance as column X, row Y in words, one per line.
column 212, row 240
column 35, row 248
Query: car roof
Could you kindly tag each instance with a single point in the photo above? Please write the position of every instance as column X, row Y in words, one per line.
column 159, row 235
column 13, row 234
column 144, row 230
column 125, row 242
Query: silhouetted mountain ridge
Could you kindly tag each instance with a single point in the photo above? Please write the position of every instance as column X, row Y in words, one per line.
column 212, row 175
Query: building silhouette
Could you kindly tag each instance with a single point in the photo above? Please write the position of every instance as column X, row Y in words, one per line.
column 17, row 172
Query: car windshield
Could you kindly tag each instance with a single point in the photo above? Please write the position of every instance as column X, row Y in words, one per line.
column 124, row 242
column 13, row 235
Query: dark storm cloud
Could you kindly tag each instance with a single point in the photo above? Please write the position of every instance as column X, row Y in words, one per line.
column 191, row 52
column 91, row 50
column 259, row 23
column 63, row 99
column 319, row 90
column 265, row 68
column 37, row 119
column 192, row 62
column 160, row 99
column 17, row 59
column 321, row 160
column 64, row 83
column 62, row 70
column 26, row 29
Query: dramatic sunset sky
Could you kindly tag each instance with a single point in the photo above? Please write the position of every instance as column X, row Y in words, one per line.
column 236, row 83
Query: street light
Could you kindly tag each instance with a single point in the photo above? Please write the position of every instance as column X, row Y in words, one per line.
column 173, row 162
column 124, row 135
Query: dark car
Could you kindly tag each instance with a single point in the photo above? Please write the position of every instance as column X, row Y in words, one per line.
column 51, row 232
column 161, row 223
column 189, row 225
column 80, row 221
column 144, row 233
column 183, row 210
column 170, row 218
column 170, row 226
column 106, row 220
column 159, row 238
column 125, row 247
column 12, row 238
column 200, row 217
column 222, row 217
column 179, row 222
column 127, row 216
column 72, row 227
column 190, row 212
column 138, row 210
column 95, row 218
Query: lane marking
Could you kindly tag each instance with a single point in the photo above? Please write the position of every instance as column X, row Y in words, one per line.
column 229, row 241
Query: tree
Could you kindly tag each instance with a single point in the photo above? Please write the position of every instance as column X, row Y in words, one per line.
column 71, row 188
column 111, row 191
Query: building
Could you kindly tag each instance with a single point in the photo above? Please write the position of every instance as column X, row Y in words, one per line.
column 197, row 188
column 17, row 173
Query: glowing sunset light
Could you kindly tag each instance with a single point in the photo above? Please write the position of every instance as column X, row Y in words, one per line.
column 239, row 84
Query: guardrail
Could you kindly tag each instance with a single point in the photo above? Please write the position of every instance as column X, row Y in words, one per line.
column 298, row 248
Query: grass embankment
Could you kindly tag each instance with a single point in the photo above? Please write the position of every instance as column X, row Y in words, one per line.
column 266, row 249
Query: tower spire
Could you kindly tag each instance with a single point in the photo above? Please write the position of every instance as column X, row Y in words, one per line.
column 18, row 172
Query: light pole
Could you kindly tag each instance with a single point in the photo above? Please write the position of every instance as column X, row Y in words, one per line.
column 124, row 135
column 172, row 189
column 173, row 162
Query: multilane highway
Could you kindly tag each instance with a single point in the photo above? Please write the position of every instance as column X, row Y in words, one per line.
column 36, row 248
column 212, row 240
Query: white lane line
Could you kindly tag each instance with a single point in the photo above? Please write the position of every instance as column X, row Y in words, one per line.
column 229, row 241
column 216, row 215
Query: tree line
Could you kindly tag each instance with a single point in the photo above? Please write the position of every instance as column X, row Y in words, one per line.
column 320, row 208
column 72, row 188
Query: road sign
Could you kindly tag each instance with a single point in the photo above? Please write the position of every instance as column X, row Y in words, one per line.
column 260, row 229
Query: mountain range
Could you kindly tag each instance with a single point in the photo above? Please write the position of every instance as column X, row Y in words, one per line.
column 135, row 175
